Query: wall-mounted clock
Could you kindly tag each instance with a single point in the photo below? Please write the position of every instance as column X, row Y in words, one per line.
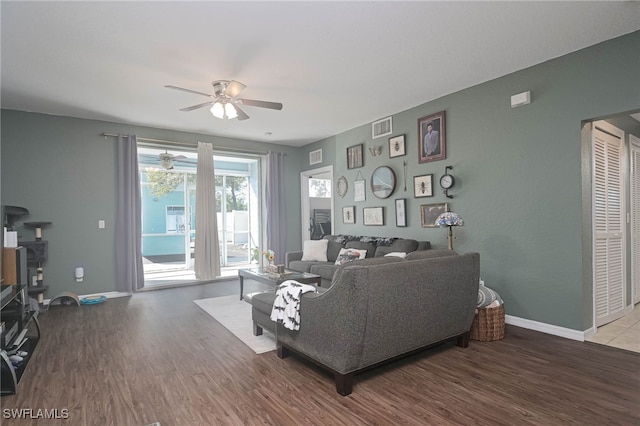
column 447, row 181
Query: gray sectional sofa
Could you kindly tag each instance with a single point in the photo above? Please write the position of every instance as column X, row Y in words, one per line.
column 380, row 309
column 376, row 247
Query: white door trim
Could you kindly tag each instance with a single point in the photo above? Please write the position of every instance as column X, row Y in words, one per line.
column 305, row 214
column 634, row 173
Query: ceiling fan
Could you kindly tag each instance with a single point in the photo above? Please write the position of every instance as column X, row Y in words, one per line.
column 224, row 100
column 168, row 160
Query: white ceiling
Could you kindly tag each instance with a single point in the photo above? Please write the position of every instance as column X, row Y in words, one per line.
column 334, row 65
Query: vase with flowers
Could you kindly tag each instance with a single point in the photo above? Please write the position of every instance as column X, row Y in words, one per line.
column 269, row 255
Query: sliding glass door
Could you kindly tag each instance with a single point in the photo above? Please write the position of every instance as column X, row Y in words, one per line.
column 169, row 229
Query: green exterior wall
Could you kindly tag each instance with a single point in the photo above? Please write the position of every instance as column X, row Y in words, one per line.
column 519, row 179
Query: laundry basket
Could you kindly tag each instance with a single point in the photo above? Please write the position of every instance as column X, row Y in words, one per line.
column 488, row 324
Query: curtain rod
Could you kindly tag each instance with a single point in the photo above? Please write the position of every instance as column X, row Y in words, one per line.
column 188, row 144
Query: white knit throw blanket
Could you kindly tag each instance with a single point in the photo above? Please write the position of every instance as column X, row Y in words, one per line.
column 286, row 307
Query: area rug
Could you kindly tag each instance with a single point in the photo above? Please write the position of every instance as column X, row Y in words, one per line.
column 235, row 315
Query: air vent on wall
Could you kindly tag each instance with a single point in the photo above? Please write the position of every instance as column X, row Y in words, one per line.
column 315, row 157
column 381, row 128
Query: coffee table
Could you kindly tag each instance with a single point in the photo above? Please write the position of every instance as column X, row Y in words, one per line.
column 273, row 278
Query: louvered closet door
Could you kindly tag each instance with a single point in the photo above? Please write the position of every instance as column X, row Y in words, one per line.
column 608, row 225
column 635, row 217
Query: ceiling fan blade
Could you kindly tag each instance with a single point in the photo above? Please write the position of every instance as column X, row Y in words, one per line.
column 241, row 114
column 184, row 159
column 234, row 88
column 188, row 90
column 191, row 108
column 261, row 104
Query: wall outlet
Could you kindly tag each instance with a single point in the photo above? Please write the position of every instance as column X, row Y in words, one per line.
column 101, row 224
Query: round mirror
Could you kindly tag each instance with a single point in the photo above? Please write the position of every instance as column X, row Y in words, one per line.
column 383, row 182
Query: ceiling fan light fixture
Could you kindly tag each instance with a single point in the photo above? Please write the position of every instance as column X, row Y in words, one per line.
column 224, row 110
column 166, row 164
column 218, row 110
column 230, row 110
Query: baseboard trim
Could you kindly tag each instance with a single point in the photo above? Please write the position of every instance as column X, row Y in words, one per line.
column 567, row 333
column 108, row 295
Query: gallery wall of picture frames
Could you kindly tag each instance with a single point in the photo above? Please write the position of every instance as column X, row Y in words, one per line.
column 383, row 182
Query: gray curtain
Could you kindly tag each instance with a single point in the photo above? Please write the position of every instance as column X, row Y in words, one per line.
column 207, row 256
column 276, row 211
column 129, row 271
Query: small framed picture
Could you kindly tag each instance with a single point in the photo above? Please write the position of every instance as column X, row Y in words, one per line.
column 359, row 190
column 396, row 146
column 401, row 212
column 423, row 186
column 349, row 215
column 355, row 156
column 432, row 138
column 373, row 216
column 430, row 212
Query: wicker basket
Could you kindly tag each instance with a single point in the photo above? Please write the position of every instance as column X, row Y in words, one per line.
column 488, row 324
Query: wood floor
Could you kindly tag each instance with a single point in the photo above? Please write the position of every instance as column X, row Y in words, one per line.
column 157, row 356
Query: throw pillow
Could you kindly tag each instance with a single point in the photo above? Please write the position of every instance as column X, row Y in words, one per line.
column 359, row 245
column 347, row 255
column 315, row 250
column 396, row 254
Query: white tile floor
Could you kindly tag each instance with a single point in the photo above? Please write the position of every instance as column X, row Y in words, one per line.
column 623, row 333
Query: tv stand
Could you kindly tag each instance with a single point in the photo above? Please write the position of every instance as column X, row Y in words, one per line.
column 21, row 334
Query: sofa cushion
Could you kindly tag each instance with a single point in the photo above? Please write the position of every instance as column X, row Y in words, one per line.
column 304, row 266
column 325, row 270
column 315, row 250
column 349, row 254
column 333, row 249
column 424, row 245
column 365, row 262
column 369, row 247
column 398, row 245
column 263, row 301
column 429, row 254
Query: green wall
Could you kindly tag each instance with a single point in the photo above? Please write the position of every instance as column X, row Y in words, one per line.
column 63, row 171
column 518, row 175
